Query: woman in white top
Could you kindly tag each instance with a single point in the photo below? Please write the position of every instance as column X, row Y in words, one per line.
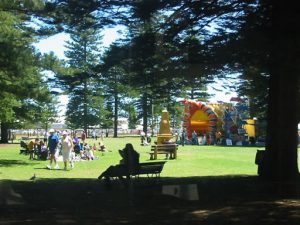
column 66, row 148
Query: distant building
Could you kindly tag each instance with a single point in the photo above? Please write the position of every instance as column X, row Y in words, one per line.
column 123, row 124
column 58, row 126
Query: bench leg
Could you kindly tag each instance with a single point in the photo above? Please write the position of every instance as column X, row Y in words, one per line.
column 151, row 156
column 168, row 157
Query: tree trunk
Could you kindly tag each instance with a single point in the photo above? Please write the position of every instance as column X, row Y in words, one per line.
column 116, row 115
column 85, row 112
column 4, row 133
column 145, row 112
column 85, row 91
column 280, row 161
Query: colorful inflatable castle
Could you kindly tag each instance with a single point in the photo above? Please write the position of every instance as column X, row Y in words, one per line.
column 200, row 118
column 222, row 122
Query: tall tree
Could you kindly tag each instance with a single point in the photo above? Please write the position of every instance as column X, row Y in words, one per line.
column 83, row 20
column 114, row 91
column 83, row 54
column 147, row 58
column 130, row 113
column 19, row 66
column 113, row 77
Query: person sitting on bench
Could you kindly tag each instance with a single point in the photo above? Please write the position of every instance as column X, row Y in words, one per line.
column 129, row 164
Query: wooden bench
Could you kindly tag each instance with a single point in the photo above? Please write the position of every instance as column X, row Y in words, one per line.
column 170, row 150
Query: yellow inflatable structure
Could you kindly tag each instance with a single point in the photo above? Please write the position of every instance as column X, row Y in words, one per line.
column 250, row 127
column 200, row 118
column 199, row 121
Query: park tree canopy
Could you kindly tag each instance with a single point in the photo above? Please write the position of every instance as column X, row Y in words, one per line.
column 172, row 41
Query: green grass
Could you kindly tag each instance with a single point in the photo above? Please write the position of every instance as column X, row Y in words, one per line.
column 192, row 161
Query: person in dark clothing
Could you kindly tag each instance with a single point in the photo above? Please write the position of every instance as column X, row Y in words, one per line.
column 129, row 164
column 53, row 141
column 183, row 137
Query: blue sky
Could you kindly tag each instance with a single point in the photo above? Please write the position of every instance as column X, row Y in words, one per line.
column 56, row 42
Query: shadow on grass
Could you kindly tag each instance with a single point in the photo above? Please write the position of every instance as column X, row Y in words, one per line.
column 221, row 200
column 10, row 163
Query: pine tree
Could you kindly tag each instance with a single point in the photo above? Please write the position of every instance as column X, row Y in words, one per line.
column 83, row 54
column 23, row 90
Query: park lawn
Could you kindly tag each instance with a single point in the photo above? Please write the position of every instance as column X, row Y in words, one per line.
column 193, row 161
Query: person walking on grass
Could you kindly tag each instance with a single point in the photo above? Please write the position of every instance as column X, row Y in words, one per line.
column 66, row 149
column 53, row 141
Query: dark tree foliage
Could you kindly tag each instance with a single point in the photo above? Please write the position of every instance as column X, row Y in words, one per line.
column 247, row 51
column 113, row 76
column 60, row 15
column 23, row 91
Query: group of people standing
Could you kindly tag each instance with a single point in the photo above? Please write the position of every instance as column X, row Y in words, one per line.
column 66, row 149
column 204, row 139
column 70, row 148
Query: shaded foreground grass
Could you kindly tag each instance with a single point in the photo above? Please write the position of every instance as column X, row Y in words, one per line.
column 229, row 192
column 222, row 200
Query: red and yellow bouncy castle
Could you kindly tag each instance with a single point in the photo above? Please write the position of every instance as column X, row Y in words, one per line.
column 199, row 117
